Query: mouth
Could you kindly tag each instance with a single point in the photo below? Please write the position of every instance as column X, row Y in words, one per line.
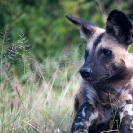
column 90, row 80
column 99, row 80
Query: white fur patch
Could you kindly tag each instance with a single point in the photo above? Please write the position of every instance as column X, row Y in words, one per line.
column 128, row 109
column 90, row 43
column 83, row 112
column 82, row 35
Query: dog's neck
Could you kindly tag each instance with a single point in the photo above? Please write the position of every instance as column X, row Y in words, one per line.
column 102, row 94
column 112, row 88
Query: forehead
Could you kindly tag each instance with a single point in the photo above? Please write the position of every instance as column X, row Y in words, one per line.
column 95, row 39
column 102, row 40
column 111, row 43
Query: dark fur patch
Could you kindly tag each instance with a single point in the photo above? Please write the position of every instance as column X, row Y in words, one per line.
column 129, row 101
column 78, row 21
column 119, row 26
column 98, row 40
column 76, row 104
column 125, row 128
column 87, row 31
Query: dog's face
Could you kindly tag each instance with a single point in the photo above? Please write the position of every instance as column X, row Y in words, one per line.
column 106, row 56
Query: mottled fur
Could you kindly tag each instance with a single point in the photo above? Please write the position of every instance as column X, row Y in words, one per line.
column 104, row 100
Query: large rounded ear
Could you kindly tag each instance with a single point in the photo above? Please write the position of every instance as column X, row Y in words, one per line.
column 87, row 29
column 120, row 27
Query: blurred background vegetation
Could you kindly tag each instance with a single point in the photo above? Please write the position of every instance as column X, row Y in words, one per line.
column 41, row 52
column 45, row 25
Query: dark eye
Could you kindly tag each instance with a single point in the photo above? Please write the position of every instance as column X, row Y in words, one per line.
column 106, row 52
column 86, row 53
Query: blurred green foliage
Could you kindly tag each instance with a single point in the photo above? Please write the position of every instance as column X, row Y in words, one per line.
column 45, row 25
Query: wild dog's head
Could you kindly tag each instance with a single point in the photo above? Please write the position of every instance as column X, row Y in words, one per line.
column 106, row 56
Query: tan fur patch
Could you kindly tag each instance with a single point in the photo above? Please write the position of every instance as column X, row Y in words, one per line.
column 118, row 50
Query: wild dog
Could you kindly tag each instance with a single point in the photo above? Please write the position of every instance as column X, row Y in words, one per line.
column 104, row 100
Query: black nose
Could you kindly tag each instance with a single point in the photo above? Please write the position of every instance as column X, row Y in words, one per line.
column 85, row 72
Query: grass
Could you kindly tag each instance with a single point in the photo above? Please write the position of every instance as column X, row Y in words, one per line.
column 40, row 99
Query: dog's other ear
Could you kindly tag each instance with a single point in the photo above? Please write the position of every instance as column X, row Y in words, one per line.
column 120, row 27
column 87, row 29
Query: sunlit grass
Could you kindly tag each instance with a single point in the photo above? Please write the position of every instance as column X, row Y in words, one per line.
column 41, row 99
